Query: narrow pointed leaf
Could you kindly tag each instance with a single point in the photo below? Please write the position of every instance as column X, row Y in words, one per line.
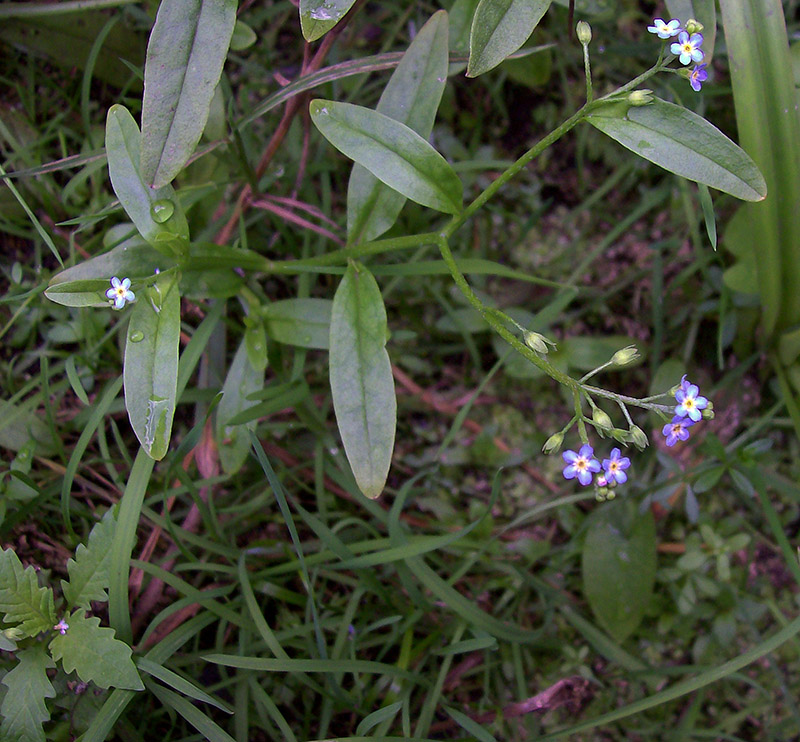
column 391, row 151
column 22, row 601
column 362, row 386
column 151, row 363
column 683, row 143
column 412, row 97
column 88, row 571
column 140, row 201
column 23, row 708
column 95, row 654
column 317, row 17
column 185, row 55
column 499, row 28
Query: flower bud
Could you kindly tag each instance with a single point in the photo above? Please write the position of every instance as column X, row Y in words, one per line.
column 601, row 419
column 708, row 412
column 640, row 97
column 553, row 443
column 535, row 341
column 693, row 26
column 625, row 356
column 14, row 634
column 623, row 436
column 584, row 32
column 638, row 437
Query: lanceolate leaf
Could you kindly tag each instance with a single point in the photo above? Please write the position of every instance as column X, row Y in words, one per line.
column 22, row 601
column 156, row 212
column 95, row 654
column 151, row 363
column 683, row 143
column 361, row 379
column 185, row 55
column 391, row 151
column 317, row 17
column 88, row 571
column 302, row 322
column 23, row 709
column 412, row 97
column 619, row 566
column 499, row 28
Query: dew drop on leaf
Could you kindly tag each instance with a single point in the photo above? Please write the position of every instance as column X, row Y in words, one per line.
column 162, row 210
column 136, row 336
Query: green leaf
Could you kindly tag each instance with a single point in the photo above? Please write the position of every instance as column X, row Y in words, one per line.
column 19, row 424
column 619, row 566
column 683, row 143
column 391, row 151
column 95, row 654
column 151, row 363
column 411, row 97
column 499, row 28
column 22, row 600
column 185, row 55
column 23, row 708
column 243, row 379
column 738, row 238
column 144, row 205
column 361, row 379
column 305, row 323
column 88, row 571
column 317, row 17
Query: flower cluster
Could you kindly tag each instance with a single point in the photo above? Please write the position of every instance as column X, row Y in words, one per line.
column 686, row 48
column 583, row 465
column 688, row 411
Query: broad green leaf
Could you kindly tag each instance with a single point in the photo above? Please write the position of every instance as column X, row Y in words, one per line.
column 23, row 708
column 499, row 28
column 739, row 238
column 619, row 566
column 317, row 17
column 362, row 387
column 243, row 36
column 151, row 363
column 95, row 654
column 411, row 97
column 391, row 151
column 305, row 323
column 768, row 126
column 185, row 55
column 704, row 11
column 22, row 601
column 88, row 571
column 683, row 143
column 156, row 212
column 243, row 379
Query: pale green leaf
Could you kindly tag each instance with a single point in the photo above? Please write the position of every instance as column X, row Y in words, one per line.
column 243, row 379
column 412, row 97
column 151, row 363
column 301, row 322
column 683, row 143
column 146, row 207
column 23, row 709
column 317, row 17
column 619, row 566
column 499, row 28
column 185, row 55
column 362, row 386
column 95, row 654
column 22, row 601
column 391, row 151
column 88, row 571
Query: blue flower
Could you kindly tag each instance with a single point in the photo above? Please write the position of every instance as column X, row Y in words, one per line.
column 120, row 292
column 665, row 30
column 615, row 467
column 697, row 77
column 677, row 430
column 61, row 627
column 581, row 465
column 689, row 403
column 688, row 47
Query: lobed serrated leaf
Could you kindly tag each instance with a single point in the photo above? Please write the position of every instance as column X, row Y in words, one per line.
column 23, row 708
column 22, row 600
column 88, row 571
column 95, row 654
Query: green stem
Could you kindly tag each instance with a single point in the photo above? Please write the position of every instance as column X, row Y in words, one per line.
column 587, row 68
column 620, row 398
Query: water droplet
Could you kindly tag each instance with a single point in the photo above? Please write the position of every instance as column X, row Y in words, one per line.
column 162, row 210
column 320, row 14
column 136, row 336
column 307, row 339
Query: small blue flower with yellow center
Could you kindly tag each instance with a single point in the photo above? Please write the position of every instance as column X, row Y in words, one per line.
column 677, row 430
column 582, row 464
column 688, row 47
column 698, row 76
column 615, row 467
column 120, row 292
column 665, row 30
column 690, row 404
